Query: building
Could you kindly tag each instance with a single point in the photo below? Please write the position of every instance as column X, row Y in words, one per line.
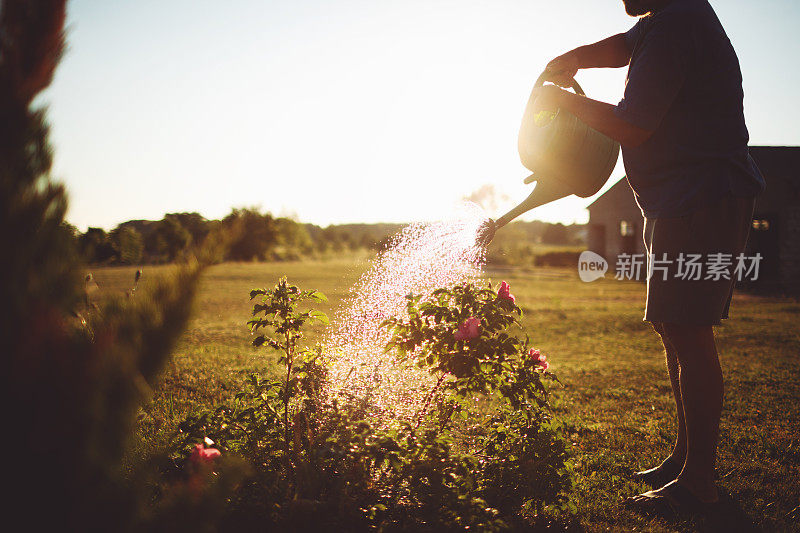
column 615, row 221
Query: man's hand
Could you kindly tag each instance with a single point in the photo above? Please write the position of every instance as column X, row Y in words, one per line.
column 562, row 69
column 548, row 98
column 611, row 52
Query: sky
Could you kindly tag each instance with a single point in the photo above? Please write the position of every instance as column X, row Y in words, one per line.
column 342, row 111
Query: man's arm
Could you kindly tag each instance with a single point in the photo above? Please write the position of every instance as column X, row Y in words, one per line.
column 598, row 115
column 608, row 53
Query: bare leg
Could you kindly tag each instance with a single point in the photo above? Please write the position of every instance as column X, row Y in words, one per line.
column 701, row 391
column 672, row 465
column 673, row 367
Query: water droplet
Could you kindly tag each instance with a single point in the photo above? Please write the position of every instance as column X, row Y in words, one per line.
column 419, row 259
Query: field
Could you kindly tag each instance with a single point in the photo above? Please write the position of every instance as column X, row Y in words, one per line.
column 616, row 399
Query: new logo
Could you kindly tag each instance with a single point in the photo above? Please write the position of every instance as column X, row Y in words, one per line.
column 591, row 266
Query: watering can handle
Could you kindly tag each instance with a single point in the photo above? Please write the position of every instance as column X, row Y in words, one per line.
column 545, row 192
column 575, row 87
column 540, row 82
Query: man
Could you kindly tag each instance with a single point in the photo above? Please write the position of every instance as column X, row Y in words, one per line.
column 684, row 145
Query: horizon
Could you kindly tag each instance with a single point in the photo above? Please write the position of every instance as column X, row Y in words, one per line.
column 346, row 112
column 323, row 226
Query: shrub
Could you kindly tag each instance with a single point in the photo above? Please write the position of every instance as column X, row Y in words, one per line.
column 558, row 259
column 481, row 453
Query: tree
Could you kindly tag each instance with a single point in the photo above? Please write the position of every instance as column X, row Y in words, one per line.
column 293, row 235
column 253, row 234
column 128, row 245
column 168, row 240
column 31, row 209
column 95, row 246
column 331, row 239
column 195, row 223
column 367, row 241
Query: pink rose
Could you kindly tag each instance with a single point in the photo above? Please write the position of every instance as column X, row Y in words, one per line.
column 201, row 455
column 539, row 358
column 468, row 330
column 505, row 291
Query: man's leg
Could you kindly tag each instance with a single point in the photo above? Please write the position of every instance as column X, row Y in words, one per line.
column 673, row 368
column 718, row 228
column 701, row 391
column 672, row 465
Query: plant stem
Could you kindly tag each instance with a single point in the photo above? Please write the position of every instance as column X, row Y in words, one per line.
column 429, row 398
column 287, row 395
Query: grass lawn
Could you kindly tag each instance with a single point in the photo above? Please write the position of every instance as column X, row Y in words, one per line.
column 616, row 402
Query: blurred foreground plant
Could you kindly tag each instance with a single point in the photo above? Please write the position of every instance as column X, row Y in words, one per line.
column 75, row 372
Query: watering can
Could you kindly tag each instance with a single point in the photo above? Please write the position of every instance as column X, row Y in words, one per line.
column 565, row 155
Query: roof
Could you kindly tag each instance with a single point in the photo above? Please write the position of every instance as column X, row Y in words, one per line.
column 775, row 153
column 780, row 166
column 619, row 192
column 778, row 162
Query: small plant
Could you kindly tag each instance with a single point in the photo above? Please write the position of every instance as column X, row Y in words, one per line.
column 268, row 422
column 280, row 325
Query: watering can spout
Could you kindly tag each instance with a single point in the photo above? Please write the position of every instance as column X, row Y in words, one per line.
column 546, row 191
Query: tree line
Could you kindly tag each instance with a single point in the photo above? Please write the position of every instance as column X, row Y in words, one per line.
column 254, row 236
column 259, row 236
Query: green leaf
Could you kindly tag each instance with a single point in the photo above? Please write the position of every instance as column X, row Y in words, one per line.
column 256, row 292
column 320, row 316
column 316, row 295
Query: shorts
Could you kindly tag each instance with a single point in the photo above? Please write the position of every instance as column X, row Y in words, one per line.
column 678, row 290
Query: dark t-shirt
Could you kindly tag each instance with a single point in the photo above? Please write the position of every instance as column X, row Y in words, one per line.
column 684, row 84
